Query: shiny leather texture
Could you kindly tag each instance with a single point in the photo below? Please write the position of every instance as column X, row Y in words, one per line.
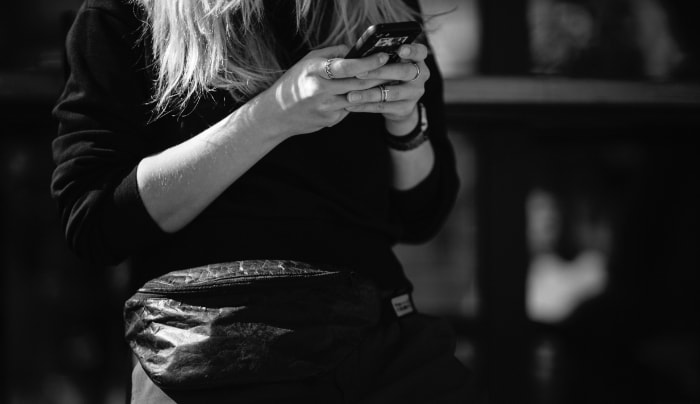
column 248, row 322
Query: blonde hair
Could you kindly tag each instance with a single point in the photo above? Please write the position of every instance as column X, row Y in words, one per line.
column 202, row 45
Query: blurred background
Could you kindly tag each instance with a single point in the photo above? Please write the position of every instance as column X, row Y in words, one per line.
column 569, row 267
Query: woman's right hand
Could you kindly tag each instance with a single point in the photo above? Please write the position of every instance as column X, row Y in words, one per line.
column 305, row 99
column 181, row 181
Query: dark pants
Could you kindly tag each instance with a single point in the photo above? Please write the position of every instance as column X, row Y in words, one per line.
column 407, row 360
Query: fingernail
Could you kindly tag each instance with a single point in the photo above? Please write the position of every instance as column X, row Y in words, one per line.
column 354, row 97
column 361, row 75
column 404, row 51
column 383, row 58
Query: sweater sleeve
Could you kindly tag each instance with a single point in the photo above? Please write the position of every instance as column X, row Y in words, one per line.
column 102, row 114
column 422, row 210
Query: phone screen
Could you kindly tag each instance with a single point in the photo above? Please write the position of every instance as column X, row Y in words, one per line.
column 386, row 38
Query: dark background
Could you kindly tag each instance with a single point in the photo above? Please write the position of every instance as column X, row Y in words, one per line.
column 594, row 104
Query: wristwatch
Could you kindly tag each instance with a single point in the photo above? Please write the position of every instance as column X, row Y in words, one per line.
column 413, row 139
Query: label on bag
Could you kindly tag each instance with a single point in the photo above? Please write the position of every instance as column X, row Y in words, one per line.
column 402, row 305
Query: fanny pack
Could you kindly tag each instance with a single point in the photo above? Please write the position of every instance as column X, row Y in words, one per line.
column 248, row 321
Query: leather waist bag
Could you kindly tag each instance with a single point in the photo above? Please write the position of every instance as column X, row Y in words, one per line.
column 248, row 321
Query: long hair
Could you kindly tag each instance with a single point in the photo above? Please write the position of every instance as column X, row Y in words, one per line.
column 202, row 45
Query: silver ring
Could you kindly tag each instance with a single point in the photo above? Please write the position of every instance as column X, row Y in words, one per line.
column 417, row 72
column 327, row 66
column 385, row 93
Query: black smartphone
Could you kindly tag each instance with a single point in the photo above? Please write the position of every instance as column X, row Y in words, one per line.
column 386, row 38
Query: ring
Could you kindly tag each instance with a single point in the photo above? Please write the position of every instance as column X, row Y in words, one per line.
column 417, row 72
column 385, row 93
column 327, row 66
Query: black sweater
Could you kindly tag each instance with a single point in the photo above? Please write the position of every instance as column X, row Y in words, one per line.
column 323, row 197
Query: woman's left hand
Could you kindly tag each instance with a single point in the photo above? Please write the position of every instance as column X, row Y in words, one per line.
column 398, row 101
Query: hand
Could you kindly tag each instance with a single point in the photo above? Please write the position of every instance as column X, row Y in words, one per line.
column 412, row 73
column 305, row 99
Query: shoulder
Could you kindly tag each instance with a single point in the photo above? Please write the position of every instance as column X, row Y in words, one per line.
column 103, row 25
column 116, row 7
column 124, row 11
column 107, row 59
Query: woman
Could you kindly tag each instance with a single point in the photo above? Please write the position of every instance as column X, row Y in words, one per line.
column 197, row 132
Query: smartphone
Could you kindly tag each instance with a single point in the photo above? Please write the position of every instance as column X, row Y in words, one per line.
column 386, row 38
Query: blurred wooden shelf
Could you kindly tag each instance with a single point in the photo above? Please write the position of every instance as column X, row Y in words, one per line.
column 547, row 90
column 547, row 102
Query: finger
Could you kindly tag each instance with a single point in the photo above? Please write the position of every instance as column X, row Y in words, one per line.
column 409, row 71
column 399, row 108
column 416, row 52
column 393, row 93
column 344, row 86
column 346, row 68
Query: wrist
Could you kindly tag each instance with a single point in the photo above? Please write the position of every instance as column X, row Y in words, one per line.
column 412, row 139
column 403, row 126
column 256, row 116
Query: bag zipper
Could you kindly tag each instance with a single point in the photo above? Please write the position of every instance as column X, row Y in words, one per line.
column 233, row 282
